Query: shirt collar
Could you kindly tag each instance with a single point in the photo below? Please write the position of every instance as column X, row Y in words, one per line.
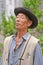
column 25, row 36
column 14, row 35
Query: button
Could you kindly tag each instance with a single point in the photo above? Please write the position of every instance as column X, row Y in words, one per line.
column 6, row 59
column 11, row 64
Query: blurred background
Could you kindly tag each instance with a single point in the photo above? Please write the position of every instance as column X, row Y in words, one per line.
column 7, row 19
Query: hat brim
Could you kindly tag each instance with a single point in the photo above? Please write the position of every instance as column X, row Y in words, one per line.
column 28, row 13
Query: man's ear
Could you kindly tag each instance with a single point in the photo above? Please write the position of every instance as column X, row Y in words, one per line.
column 29, row 23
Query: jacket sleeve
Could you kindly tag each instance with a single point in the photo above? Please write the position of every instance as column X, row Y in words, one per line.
column 37, row 55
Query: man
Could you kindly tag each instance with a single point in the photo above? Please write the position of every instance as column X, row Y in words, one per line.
column 22, row 48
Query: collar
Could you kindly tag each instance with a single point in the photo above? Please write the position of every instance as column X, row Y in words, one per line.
column 25, row 36
column 14, row 35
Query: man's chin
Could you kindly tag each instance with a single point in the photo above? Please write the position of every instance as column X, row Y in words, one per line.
column 18, row 28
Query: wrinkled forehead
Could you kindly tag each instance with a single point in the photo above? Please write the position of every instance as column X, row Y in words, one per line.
column 22, row 14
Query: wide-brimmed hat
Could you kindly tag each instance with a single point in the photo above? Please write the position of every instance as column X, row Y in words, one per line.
column 28, row 13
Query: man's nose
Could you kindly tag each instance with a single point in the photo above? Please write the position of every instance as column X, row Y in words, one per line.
column 18, row 19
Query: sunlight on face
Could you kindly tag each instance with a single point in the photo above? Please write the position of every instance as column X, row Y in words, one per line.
column 22, row 21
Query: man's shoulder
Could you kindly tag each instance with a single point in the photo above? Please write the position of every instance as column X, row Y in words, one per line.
column 7, row 39
column 34, row 39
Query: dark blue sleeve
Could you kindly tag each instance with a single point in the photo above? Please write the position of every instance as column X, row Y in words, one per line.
column 38, row 55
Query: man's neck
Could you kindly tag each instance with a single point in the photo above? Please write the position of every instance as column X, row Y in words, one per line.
column 21, row 33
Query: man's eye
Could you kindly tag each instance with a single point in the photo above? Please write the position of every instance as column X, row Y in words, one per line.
column 22, row 17
column 17, row 17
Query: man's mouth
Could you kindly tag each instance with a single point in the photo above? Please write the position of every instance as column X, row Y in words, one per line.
column 17, row 23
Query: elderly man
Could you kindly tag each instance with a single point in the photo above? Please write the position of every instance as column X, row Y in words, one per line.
column 22, row 48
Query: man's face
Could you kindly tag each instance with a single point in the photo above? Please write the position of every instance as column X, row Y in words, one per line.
column 21, row 21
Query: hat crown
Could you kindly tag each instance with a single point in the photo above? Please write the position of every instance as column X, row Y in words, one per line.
column 29, row 13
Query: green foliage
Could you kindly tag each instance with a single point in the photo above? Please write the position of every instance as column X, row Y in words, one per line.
column 42, row 50
column 0, row 26
column 41, row 41
column 41, row 38
column 1, row 45
column 34, row 6
column 0, row 54
column 8, row 26
column 40, row 26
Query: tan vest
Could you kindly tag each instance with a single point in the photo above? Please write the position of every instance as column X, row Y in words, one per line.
column 26, row 56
